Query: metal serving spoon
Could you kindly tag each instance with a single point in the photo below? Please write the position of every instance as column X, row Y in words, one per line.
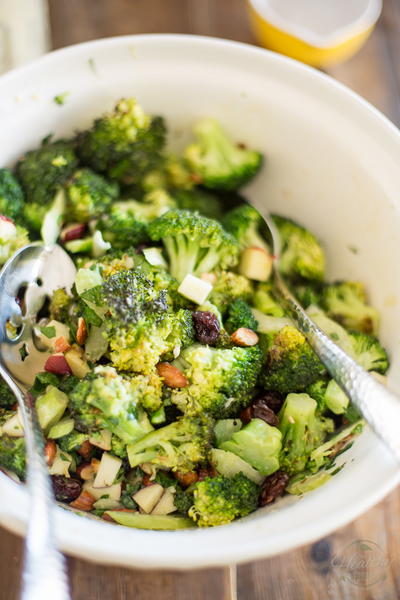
column 37, row 271
column 379, row 407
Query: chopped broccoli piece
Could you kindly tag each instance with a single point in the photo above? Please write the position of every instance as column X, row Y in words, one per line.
column 220, row 500
column 217, row 162
column 302, row 256
column 89, row 195
column 183, row 501
column 60, row 305
column 7, row 398
column 324, row 454
column 12, row 237
column 306, row 482
column 72, row 441
column 11, row 195
column 12, row 455
column 329, row 396
column 240, row 315
column 291, row 363
column 244, row 223
column 221, row 380
column 229, row 287
column 258, row 444
column 194, row 244
column 118, row 447
column 302, row 430
column 179, row 446
column 346, row 302
column 41, row 173
column 264, row 301
column 369, row 353
column 198, row 200
column 106, row 400
column 125, row 144
column 225, row 428
column 308, row 294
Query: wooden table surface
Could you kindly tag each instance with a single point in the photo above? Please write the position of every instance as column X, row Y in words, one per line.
column 311, row 572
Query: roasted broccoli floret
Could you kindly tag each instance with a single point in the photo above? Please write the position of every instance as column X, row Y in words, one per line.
column 324, row 454
column 198, row 200
column 244, row 223
column 329, row 396
column 194, row 244
column 41, row 173
column 12, row 454
column 72, row 441
column 105, row 399
column 60, row 305
column 228, row 288
column 258, row 444
column 89, row 195
column 291, row 364
column 240, row 315
column 216, row 161
column 179, row 446
column 346, row 302
column 302, row 256
column 369, row 353
column 125, row 144
column 12, row 237
column 302, row 430
column 220, row 500
column 221, row 380
column 11, row 195
column 263, row 300
column 7, row 398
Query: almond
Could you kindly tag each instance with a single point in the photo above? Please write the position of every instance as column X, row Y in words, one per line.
column 81, row 333
column 57, row 364
column 172, row 376
column 244, row 337
column 186, row 479
column 61, row 344
column 85, row 449
column 50, row 451
column 83, row 502
column 85, row 471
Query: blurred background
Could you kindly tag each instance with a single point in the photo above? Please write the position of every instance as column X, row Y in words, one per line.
column 339, row 37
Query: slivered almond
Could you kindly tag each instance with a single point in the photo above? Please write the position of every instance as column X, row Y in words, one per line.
column 95, row 463
column 85, row 449
column 50, row 451
column 81, row 332
column 61, row 344
column 244, row 337
column 84, row 501
column 85, row 471
column 172, row 376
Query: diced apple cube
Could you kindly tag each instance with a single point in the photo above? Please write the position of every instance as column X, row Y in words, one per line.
column 165, row 505
column 106, row 504
column 154, row 257
column 76, row 363
column 255, row 263
column 195, row 289
column 113, row 492
column 13, row 426
column 148, row 497
column 108, row 470
column 101, row 439
column 61, row 463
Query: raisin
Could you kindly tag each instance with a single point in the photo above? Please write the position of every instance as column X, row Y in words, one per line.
column 246, row 415
column 207, row 471
column 273, row 487
column 65, row 489
column 273, row 400
column 206, row 326
column 261, row 410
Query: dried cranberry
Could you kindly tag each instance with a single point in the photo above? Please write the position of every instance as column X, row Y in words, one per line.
column 261, row 410
column 65, row 489
column 206, row 326
column 273, row 487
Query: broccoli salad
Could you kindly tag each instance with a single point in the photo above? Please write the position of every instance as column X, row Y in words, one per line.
column 176, row 392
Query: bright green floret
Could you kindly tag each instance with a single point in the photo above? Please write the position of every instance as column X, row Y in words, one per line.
column 219, row 500
column 263, row 300
column 346, row 302
column 125, row 143
column 291, row 364
column 11, row 195
column 329, row 396
column 217, row 162
column 240, row 315
column 106, row 400
column 221, row 380
column 180, row 446
column 194, row 244
column 7, row 398
column 72, row 441
column 228, row 288
column 12, row 238
column 41, row 173
column 244, row 223
column 302, row 430
column 89, row 195
column 258, row 444
column 369, row 353
column 302, row 256
column 12, row 454
column 198, row 200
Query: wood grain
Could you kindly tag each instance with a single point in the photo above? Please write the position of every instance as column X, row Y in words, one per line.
column 308, row 573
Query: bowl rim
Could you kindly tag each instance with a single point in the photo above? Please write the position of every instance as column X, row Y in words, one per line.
column 216, row 546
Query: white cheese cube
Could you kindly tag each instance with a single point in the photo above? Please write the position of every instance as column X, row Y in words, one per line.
column 195, row 289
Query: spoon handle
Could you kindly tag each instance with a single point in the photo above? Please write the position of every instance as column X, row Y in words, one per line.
column 379, row 407
column 44, row 573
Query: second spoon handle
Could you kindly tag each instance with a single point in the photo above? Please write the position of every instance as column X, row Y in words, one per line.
column 379, row 407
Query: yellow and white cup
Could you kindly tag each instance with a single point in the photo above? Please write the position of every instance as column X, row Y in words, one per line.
column 317, row 32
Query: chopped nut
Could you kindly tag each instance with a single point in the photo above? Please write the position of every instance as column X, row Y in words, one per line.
column 95, row 464
column 85, row 449
column 244, row 337
column 83, row 502
column 172, row 376
column 85, row 471
column 186, row 479
column 81, row 333
column 50, row 451
column 61, row 344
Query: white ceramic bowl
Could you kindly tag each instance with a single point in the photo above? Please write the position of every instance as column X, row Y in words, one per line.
column 332, row 163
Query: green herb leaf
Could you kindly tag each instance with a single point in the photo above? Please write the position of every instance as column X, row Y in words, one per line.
column 60, row 99
column 49, row 332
